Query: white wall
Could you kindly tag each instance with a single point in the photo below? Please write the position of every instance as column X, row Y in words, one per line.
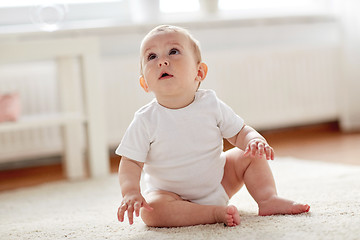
column 348, row 13
column 275, row 72
column 293, row 69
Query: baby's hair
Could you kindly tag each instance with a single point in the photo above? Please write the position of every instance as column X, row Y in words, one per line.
column 168, row 28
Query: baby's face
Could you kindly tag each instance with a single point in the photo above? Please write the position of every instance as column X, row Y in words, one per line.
column 169, row 64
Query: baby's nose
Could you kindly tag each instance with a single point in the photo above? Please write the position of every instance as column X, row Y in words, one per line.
column 164, row 62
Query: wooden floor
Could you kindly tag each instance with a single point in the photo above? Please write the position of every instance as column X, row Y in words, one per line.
column 324, row 142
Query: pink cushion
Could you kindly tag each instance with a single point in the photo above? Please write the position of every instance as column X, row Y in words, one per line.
column 10, row 107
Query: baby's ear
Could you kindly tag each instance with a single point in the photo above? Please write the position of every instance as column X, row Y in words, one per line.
column 202, row 71
column 143, row 84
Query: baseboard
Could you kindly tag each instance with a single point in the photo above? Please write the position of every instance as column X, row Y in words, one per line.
column 36, row 162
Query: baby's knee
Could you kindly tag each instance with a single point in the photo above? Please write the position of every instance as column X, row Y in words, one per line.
column 148, row 217
column 151, row 218
column 158, row 216
column 249, row 160
column 256, row 159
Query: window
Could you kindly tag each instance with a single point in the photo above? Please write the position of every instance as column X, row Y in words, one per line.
column 173, row 6
column 308, row 5
column 21, row 3
column 50, row 15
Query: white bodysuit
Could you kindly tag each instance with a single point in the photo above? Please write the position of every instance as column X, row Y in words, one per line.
column 183, row 148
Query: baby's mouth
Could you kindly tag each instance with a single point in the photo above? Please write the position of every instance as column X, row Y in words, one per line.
column 165, row 76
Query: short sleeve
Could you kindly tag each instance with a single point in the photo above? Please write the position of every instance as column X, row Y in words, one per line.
column 136, row 142
column 229, row 122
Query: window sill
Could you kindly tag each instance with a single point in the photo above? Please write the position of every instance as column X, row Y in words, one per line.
column 191, row 21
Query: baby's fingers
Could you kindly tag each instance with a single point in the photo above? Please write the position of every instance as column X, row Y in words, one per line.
column 269, row 153
column 130, row 214
column 147, row 206
column 261, row 148
column 272, row 157
column 253, row 147
column 121, row 212
column 137, row 207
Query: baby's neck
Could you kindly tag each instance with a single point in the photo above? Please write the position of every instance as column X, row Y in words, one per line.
column 175, row 102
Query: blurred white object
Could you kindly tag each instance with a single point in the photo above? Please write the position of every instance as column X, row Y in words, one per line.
column 48, row 17
column 73, row 118
column 209, row 6
column 144, row 10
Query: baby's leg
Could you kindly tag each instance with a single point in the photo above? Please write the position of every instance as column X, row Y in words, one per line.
column 169, row 210
column 257, row 176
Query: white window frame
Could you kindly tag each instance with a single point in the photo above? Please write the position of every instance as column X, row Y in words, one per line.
column 21, row 12
column 18, row 12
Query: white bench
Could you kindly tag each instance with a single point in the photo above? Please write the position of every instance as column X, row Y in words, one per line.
column 74, row 117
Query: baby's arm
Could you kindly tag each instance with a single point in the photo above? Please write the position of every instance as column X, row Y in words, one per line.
column 129, row 178
column 252, row 143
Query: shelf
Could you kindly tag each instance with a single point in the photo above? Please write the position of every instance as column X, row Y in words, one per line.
column 46, row 120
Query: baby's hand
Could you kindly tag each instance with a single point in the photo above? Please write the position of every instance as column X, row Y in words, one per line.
column 260, row 147
column 130, row 203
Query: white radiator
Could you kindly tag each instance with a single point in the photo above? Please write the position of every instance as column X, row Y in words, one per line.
column 278, row 88
column 269, row 88
column 36, row 83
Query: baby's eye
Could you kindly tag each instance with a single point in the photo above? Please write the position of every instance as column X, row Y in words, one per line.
column 174, row 51
column 151, row 56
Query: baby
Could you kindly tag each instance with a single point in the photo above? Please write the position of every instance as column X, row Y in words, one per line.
column 176, row 140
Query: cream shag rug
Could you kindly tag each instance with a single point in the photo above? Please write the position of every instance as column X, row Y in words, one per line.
column 87, row 209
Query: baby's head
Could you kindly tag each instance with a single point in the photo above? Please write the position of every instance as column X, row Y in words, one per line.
column 170, row 62
column 168, row 29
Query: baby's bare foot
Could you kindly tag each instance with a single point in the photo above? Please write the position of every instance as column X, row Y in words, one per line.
column 228, row 215
column 277, row 205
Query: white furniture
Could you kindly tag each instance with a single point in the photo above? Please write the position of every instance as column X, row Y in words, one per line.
column 80, row 98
